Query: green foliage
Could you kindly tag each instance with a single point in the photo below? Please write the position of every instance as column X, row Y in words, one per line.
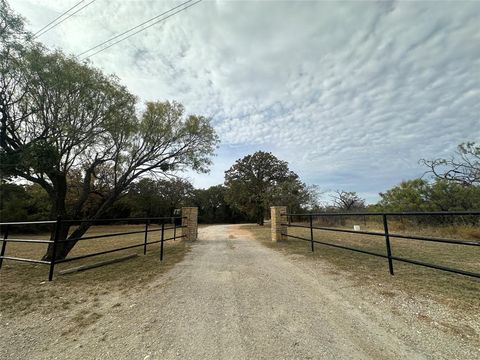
column 25, row 202
column 13, row 203
column 452, row 196
column 293, row 194
column 150, row 198
column 183, row 141
column 409, row 195
column 61, row 116
column 257, row 181
column 421, row 195
column 12, row 31
column 213, row 207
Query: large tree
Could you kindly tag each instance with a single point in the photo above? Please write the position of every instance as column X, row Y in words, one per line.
column 61, row 119
column 255, row 181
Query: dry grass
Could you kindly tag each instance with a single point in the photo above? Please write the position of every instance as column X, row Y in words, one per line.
column 456, row 291
column 25, row 287
column 396, row 224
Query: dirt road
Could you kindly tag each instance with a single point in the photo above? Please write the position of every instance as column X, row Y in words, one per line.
column 233, row 298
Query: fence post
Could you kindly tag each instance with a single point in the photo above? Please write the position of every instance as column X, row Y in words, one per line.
column 58, row 224
column 311, row 230
column 190, row 223
column 4, row 245
column 387, row 242
column 278, row 216
column 146, row 237
column 174, row 229
column 161, row 241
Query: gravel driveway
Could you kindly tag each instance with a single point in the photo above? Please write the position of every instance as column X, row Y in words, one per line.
column 233, row 298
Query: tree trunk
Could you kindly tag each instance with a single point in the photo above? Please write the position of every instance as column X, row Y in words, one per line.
column 260, row 215
column 62, row 235
column 58, row 209
column 63, row 249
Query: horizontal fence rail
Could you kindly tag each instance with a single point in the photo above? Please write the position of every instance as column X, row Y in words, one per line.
column 386, row 234
column 163, row 223
column 404, row 213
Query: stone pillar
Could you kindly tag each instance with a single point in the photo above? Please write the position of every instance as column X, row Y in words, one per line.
column 278, row 216
column 190, row 221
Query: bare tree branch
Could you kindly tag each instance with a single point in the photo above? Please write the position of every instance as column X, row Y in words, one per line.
column 463, row 167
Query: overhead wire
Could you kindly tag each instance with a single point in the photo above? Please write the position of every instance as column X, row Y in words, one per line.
column 140, row 30
column 58, row 17
column 133, row 28
column 52, row 24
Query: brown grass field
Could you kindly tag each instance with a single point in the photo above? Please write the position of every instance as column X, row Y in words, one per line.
column 456, row 291
column 25, row 286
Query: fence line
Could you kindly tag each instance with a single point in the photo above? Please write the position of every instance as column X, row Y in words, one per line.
column 58, row 225
column 386, row 234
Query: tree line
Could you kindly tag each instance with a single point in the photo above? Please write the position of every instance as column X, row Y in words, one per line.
column 251, row 186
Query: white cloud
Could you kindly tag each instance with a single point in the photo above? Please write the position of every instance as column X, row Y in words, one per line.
column 352, row 94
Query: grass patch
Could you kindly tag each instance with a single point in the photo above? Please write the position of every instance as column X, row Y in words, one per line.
column 456, row 291
column 25, row 286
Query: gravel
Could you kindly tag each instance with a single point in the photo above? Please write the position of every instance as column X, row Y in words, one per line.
column 233, row 298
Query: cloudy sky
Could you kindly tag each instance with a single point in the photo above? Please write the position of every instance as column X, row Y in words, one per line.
column 351, row 94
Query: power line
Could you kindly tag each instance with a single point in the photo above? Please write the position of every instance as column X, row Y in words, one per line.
column 138, row 31
column 133, row 28
column 58, row 17
column 69, row 16
column 47, row 27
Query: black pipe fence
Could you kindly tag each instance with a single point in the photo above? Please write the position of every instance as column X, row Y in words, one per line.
column 165, row 223
column 383, row 219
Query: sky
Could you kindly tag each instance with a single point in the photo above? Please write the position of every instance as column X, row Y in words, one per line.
column 351, row 94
